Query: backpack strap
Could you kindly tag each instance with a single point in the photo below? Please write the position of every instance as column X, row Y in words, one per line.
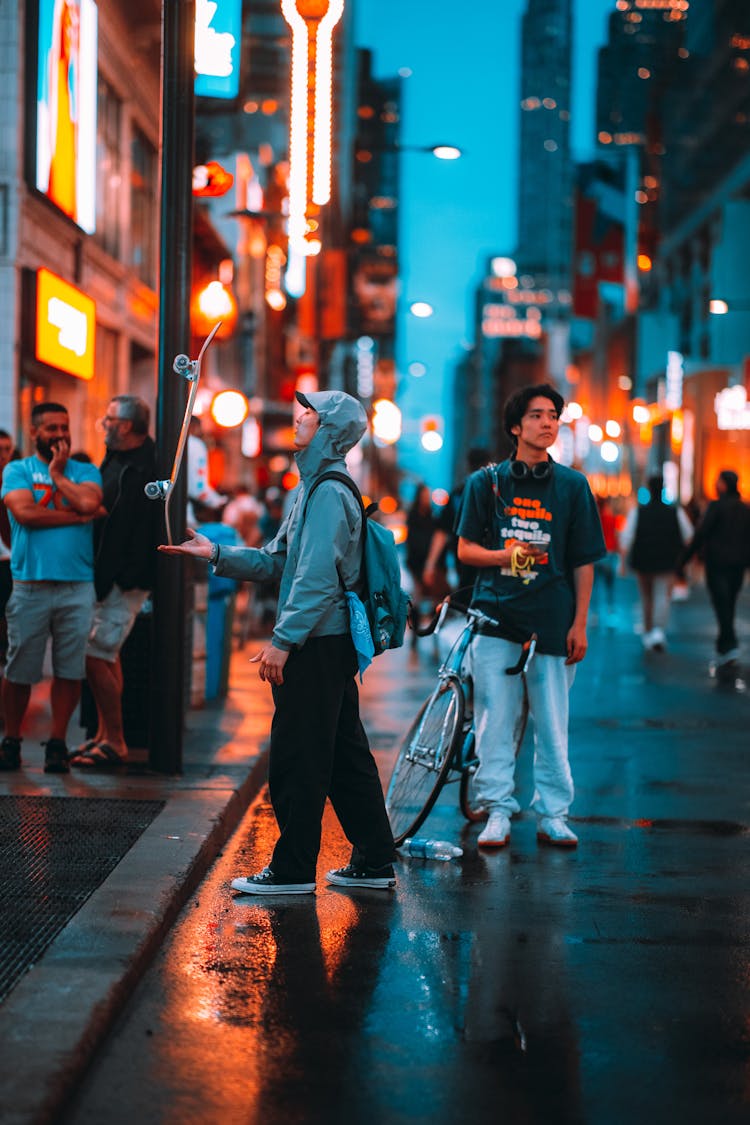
column 350, row 484
column 344, row 479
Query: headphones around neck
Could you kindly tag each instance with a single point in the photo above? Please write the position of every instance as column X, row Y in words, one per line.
column 519, row 470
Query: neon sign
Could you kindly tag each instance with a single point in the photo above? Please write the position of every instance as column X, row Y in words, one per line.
column 503, row 320
column 312, row 23
column 674, row 380
column 732, row 409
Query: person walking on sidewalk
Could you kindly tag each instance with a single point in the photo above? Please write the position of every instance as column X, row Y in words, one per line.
column 319, row 747
column 52, row 501
column 124, row 542
column 724, row 537
column 444, row 538
column 652, row 541
column 532, row 528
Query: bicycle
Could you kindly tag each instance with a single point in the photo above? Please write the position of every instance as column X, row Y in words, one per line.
column 441, row 742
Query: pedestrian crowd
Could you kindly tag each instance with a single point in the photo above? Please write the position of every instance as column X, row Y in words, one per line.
column 523, row 543
column 77, row 566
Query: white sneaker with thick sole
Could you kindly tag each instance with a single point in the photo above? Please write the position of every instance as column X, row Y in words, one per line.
column 553, row 830
column 496, row 832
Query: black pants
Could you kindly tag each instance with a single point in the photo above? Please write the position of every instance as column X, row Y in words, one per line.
column 319, row 749
column 724, row 585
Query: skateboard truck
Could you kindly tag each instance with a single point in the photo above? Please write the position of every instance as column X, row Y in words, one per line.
column 190, row 369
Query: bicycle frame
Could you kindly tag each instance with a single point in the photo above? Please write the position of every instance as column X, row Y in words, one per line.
column 441, row 739
column 453, row 667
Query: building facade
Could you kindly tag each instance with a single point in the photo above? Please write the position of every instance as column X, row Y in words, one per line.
column 79, row 191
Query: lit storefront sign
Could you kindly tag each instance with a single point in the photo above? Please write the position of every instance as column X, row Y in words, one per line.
column 732, row 409
column 218, row 28
column 65, row 326
column 66, row 107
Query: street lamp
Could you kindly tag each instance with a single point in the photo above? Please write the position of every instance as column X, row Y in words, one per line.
column 439, row 151
column 717, row 306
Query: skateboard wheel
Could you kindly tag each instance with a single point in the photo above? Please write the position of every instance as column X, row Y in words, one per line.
column 181, row 364
column 157, row 489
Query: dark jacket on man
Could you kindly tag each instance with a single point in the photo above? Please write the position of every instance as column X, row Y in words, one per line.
column 658, row 543
column 125, row 540
column 724, row 533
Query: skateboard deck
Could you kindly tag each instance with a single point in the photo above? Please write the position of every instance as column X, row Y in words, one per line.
column 190, row 369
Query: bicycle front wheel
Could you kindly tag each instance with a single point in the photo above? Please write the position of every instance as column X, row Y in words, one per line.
column 424, row 760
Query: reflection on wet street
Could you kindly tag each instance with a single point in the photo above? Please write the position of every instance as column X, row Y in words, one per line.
column 553, row 985
column 523, row 985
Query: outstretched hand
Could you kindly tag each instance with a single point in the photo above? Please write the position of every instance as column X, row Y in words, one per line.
column 196, row 546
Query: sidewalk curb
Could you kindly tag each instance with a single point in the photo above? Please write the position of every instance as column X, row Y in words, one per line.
column 63, row 1008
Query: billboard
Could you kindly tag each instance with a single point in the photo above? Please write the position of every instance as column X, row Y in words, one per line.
column 66, row 94
column 374, row 295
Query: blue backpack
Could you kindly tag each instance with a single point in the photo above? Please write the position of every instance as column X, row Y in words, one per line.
column 386, row 604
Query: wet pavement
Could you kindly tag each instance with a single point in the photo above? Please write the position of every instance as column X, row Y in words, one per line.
column 526, row 985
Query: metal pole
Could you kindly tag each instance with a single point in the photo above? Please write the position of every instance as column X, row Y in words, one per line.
column 171, row 648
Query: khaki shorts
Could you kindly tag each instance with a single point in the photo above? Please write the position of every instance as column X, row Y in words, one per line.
column 37, row 611
column 113, row 620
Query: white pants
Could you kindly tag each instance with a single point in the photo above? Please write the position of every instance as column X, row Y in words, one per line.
column 498, row 702
column 656, row 594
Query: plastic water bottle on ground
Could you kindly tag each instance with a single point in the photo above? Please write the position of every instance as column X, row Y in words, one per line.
column 423, row 848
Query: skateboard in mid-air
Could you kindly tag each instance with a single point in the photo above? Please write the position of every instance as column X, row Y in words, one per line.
column 190, row 369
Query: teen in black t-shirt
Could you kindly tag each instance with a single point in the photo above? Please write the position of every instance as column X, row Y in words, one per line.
column 532, row 528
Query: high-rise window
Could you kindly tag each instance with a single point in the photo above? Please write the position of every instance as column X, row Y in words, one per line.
column 108, row 173
column 143, row 208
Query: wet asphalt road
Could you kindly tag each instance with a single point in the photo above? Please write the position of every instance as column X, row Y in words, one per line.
column 603, row 986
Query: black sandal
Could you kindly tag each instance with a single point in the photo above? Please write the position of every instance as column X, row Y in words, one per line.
column 10, row 753
column 100, row 758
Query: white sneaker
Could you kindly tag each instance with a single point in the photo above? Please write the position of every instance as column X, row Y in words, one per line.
column 654, row 641
column 553, row 830
column 658, row 639
column 496, row 832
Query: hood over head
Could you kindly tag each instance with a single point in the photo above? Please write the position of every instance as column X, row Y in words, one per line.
column 343, row 420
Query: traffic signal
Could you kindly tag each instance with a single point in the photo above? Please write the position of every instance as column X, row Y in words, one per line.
column 431, row 432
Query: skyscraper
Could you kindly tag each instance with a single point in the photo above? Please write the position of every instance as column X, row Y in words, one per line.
column 545, row 217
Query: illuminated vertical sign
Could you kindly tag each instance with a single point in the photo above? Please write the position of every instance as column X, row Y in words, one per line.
column 674, row 380
column 312, row 23
column 66, row 107
column 65, row 326
column 218, row 34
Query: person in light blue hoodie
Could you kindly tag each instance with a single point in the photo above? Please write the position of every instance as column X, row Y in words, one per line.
column 319, row 747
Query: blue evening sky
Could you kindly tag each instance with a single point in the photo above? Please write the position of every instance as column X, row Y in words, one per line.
column 463, row 89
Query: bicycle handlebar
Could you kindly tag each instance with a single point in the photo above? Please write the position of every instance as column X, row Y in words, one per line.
column 439, row 614
column 528, row 648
